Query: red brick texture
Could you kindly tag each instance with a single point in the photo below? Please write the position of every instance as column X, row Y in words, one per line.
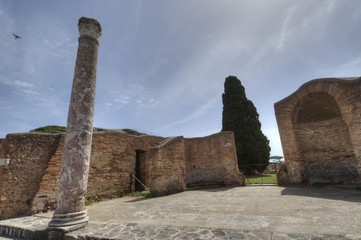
column 29, row 183
column 320, row 129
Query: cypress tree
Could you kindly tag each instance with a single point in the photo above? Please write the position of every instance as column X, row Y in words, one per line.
column 241, row 117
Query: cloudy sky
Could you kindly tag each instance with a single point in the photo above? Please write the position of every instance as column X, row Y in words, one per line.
column 162, row 64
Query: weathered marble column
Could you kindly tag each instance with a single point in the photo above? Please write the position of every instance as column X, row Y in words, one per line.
column 71, row 213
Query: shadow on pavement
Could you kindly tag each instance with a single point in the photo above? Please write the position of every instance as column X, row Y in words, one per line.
column 333, row 192
column 211, row 188
column 203, row 189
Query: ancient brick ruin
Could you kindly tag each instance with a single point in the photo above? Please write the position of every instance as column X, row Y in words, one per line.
column 30, row 166
column 320, row 129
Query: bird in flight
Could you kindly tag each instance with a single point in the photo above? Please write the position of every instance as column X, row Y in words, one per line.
column 16, row 36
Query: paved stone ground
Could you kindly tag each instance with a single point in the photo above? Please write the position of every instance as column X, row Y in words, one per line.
column 225, row 213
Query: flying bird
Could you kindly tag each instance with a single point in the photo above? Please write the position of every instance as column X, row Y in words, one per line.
column 16, row 36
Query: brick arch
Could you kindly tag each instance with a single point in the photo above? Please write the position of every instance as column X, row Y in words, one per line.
column 315, row 107
column 319, row 131
column 340, row 90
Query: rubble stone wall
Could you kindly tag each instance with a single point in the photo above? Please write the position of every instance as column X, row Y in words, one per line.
column 29, row 154
column 320, row 130
column 111, row 165
column 113, row 161
column 166, row 167
column 31, row 167
column 211, row 160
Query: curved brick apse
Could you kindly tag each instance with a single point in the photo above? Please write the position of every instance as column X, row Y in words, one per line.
column 320, row 130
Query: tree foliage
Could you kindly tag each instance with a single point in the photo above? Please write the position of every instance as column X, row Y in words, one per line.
column 241, row 117
column 49, row 129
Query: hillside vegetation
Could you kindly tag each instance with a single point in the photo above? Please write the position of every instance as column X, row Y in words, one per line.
column 50, row 129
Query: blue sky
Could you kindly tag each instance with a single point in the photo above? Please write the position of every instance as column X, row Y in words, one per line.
column 162, row 64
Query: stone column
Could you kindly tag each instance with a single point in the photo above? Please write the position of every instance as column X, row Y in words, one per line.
column 71, row 213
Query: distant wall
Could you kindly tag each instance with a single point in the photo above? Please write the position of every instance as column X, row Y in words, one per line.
column 29, row 183
column 167, row 167
column 320, row 129
column 112, row 162
column 180, row 162
column 211, row 160
column 2, row 140
column 30, row 166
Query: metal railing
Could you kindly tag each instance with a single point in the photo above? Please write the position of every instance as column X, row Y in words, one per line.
column 145, row 187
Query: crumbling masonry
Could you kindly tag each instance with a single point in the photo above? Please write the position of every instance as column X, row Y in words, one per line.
column 30, row 166
column 320, row 129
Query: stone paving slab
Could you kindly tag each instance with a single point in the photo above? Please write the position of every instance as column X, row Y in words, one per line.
column 225, row 213
column 133, row 231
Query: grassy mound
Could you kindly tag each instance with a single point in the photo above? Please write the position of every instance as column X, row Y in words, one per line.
column 49, row 129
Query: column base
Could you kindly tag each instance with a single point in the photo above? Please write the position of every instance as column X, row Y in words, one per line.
column 69, row 221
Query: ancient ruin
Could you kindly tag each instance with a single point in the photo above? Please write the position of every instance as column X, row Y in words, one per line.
column 41, row 172
column 70, row 212
column 31, row 165
column 320, row 129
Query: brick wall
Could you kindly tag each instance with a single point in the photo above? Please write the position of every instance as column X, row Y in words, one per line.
column 113, row 160
column 211, row 160
column 111, row 163
column 29, row 183
column 29, row 154
column 166, row 167
column 320, row 131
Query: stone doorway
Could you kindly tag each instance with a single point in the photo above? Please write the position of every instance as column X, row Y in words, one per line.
column 140, row 170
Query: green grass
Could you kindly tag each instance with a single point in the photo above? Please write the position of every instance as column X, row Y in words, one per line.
column 140, row 194
column 90, row 201
column 261, row 179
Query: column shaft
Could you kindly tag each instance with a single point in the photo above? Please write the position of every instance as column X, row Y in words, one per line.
column 70, row 212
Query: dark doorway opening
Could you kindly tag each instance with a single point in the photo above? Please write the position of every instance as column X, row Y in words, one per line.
column 139, row 170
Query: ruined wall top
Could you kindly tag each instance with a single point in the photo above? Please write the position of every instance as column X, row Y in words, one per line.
column 319, row 81
column 89, row 27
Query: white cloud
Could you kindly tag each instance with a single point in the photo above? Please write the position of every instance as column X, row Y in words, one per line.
column 135, row 97
column 166, row 61
column 122, row 100
column 350, row 68
column 198, row 112
column 146, row 103
column 285, row 28
column 23, row 84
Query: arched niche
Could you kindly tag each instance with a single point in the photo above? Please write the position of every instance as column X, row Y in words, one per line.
column 324, row 140
column 316, row 107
